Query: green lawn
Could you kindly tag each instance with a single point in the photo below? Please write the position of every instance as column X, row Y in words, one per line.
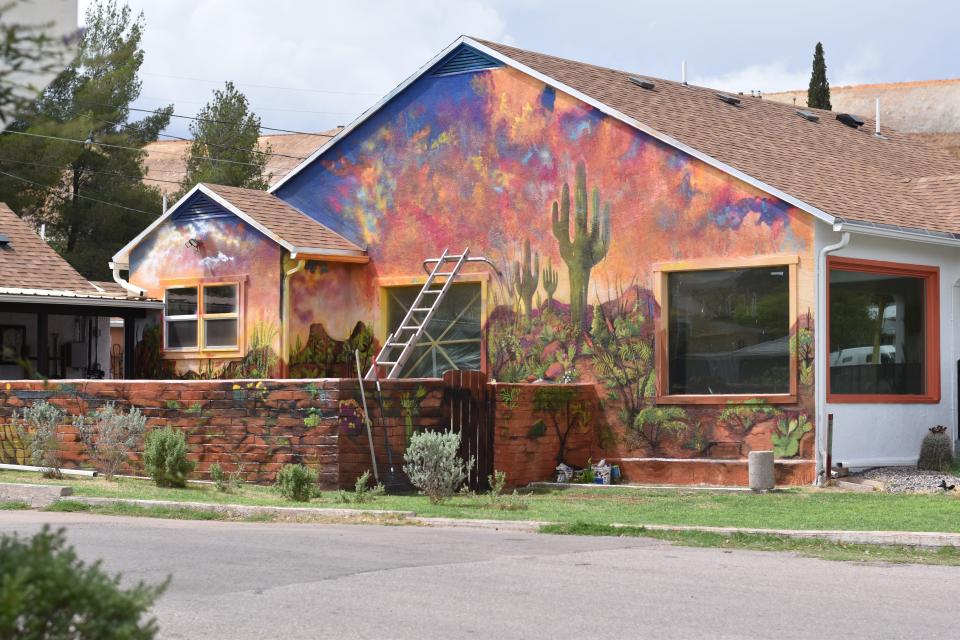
column 793, row 509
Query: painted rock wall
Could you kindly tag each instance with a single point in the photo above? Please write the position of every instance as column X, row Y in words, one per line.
column 226, row 249
column 487, row 160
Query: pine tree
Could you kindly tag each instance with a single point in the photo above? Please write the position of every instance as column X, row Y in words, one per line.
column 226, row 144
column 88, row 101
column 818, row 95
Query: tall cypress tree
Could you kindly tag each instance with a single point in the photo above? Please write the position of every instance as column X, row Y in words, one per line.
column 818, row 95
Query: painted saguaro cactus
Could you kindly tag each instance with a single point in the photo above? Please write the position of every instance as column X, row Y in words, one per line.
column 550, row 280
column 590, row 242
column 526, row 278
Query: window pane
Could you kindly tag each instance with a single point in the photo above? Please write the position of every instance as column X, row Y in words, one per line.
column 729, row 331
column 181, row 301
column 220, row 333
column 181, row 334
column 453, row 338
column 220, row 298
column 877, row 342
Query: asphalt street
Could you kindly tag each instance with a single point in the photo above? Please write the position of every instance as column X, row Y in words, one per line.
column 249, row 580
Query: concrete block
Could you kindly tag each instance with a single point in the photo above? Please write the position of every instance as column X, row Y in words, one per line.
column 36, row 495
column 761, row 470
column 846, row 485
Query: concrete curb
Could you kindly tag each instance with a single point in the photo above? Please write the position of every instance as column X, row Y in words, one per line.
column 35, row 495
column 929, row 539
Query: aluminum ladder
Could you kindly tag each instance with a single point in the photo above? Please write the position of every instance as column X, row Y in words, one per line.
column 400, row 345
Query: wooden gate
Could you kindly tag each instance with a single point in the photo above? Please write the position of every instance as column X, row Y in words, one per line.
column 468, row 410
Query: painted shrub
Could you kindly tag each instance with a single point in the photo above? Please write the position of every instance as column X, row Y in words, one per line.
column 223, row 249
column 576, row 209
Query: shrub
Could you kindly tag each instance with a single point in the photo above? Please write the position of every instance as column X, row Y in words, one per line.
column 936, row 451
column 505, row 502
column 362, row 491
column 296, row 482
column 110, row 435
column 497, row 482
column 47, row 592
column 226, row 482
column 165, row 456
column 433, row 466
column 36, row 427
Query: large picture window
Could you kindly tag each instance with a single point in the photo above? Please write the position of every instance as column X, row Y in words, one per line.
column 725, row 332
column 883, row 332
column 452, row 340
column 203, row 317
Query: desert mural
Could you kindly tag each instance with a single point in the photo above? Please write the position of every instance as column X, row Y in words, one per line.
column 575, row 208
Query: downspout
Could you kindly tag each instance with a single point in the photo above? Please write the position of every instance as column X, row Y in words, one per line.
column 822, row 357
column 285, row 318
column 136, row 292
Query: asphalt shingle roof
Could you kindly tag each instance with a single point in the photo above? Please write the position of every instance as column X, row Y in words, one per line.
column 848, row 173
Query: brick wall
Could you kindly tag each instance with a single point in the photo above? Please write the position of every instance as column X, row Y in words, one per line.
column 259, row 424
column 526, row 443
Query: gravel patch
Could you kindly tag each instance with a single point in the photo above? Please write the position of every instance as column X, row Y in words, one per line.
column 909, row 479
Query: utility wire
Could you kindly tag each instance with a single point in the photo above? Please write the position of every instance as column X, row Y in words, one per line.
column 265, row 86
column 76, row 195
column 120, row 146
column 90, row 171
column 198, row 119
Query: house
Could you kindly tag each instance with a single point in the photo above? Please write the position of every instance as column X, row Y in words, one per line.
column 54, row 322
column 677, row 247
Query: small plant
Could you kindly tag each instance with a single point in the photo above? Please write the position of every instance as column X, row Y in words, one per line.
column 935, row 451
column 47, row 592
column 510, row 397
column 497, row 482
column 37, row 427
column 110, row 435
column 586, row 475
column 165, row 457
column 226, row 482
column 362, row 491
column 410, row 408
column 433, row 466
column 296, row 482
column 787, row 437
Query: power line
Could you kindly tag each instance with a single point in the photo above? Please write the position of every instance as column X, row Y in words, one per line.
column 265, row 86
column 90, row 171
column 120, row 146
column 76, row 195
column 211, row 144
column 324, row 113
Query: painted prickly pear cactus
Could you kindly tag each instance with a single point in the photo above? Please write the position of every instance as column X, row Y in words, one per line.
column 789, row 433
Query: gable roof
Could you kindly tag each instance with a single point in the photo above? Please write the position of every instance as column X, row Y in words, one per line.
column 28, row 262
column 839, row 174
column 286, row 225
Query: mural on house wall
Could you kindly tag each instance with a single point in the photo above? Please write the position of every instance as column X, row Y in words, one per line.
column 576, row 208
column 211, row 250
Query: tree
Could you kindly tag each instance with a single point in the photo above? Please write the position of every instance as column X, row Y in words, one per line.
column 88, row 101
column 818, row 95
column 226, row 144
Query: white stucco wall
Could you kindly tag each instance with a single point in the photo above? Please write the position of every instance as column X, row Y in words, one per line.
column 888, row 434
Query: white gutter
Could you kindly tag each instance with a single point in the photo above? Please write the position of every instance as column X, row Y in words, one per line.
column 899, row 233
column 136, row 292
column 822, row 355
column 68, row 298
column 285, row 318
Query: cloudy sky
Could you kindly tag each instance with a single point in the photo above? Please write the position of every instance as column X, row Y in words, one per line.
column 313, row 64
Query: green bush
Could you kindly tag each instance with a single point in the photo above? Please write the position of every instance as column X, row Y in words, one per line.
column 362, row 491
column 226, row 482
column 433, row 466
column 165, row 456
column 37, row 427
column 296, row 482
column 47, row 593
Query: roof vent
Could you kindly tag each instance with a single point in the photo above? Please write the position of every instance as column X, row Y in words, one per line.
column 640, row 82
column 850, row 120
column 808, row 115
column 4, row 241
column 729, row 99
column 466, row 60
